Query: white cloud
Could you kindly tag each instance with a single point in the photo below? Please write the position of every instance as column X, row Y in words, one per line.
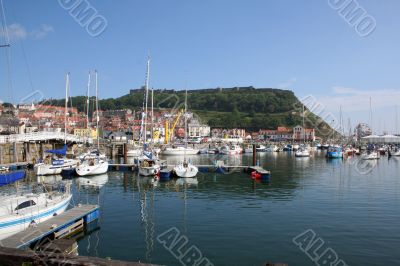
column 18, row 32
column 43, row 31
column 15, row 32
column 287, row 84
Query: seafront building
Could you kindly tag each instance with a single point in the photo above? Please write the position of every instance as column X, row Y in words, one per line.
column 126, row 124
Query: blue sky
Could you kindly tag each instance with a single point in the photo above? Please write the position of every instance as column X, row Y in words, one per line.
column 305, row 46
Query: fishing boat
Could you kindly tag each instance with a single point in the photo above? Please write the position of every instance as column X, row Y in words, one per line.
column 8, row 177
column 18, row 212
column 334, row 152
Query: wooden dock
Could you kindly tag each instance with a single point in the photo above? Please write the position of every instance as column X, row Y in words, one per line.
column 15, row 166
column 55, row 227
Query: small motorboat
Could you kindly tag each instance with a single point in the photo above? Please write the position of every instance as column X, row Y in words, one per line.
column 165, row 174
column 334, row 152
column 148, row 167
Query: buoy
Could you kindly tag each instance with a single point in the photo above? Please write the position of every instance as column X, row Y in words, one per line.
column 255, row 175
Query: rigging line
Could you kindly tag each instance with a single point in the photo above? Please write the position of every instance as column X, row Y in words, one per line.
column 8, row 54
column 28, row 69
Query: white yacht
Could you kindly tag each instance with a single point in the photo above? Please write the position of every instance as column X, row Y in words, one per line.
column 18, row 212
column 180, row 151
column 92, row 166
column 186, row 170
column 53, row 164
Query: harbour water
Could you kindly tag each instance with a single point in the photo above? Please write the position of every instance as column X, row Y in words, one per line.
column 233, row 220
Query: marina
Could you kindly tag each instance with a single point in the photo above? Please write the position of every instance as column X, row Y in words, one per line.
column 199, row 133
column 296, row 184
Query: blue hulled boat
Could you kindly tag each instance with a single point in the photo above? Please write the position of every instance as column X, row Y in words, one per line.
column 7, row 177
column 334, row 152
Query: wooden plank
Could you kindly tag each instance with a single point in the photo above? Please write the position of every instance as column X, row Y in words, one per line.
column 70, row 229
column 14, row 257
column 50, row 226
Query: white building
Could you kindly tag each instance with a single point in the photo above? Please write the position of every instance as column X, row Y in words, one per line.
column 197, row 130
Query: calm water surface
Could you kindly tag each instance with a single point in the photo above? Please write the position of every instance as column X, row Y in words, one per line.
column 235, row 221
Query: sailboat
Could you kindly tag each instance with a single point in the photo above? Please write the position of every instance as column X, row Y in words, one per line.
column 56, row 161
column 146, row 164
column 94, row 163
column 371, row 153
column 302, row 150
column 186, row 169
column 18, row 212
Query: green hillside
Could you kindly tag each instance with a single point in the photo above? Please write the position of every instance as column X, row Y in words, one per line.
column 246, row 107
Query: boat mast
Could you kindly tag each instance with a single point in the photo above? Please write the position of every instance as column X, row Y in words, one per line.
column 88, row 102
column 146, row 98
column 304, row 130
column 396, row 123
column 66, row 107
column 152, row 115
column 186, row 142
column 97, row 112
column 370, row 115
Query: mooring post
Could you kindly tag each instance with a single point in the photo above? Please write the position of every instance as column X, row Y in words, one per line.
column 125, row 153
column 254, row 155
column 41, row 152
column 15, row 153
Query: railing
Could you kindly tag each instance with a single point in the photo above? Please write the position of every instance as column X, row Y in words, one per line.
column 42, row 136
